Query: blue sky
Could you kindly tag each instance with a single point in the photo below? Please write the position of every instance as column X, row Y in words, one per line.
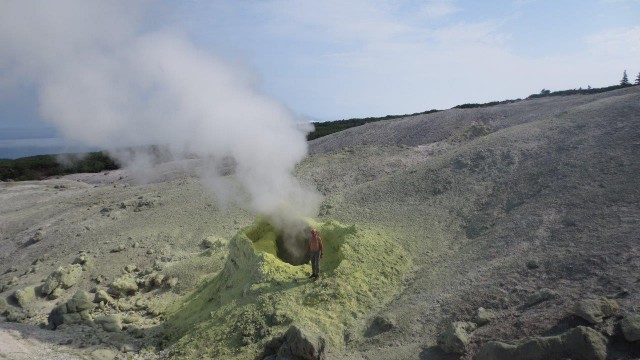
column 330, row 59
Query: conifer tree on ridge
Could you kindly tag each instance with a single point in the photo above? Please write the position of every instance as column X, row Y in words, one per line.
column 625, row 79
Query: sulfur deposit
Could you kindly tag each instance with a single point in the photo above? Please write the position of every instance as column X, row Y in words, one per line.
column 258, row 296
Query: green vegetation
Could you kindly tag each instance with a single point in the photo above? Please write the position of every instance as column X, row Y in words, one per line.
column 590, row 90
column 43, row 166
column 257, row 296
column 492, row 103
column 330, row 127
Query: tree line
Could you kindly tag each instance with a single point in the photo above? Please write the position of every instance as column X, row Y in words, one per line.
column 329, row 127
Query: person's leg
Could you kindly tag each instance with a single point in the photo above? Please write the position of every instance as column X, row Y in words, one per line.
column 315, row 259
column 313, row 264
column 316, row 268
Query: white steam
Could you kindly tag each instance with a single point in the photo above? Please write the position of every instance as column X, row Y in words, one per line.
column 104, row 79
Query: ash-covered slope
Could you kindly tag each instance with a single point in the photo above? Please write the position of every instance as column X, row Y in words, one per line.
column 429, row 128
column 523, row 209
column 543, row 204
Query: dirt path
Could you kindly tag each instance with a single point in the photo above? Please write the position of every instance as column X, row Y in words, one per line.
column 19, row 341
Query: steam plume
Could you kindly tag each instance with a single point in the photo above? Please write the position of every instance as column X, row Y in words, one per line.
column 105, row 79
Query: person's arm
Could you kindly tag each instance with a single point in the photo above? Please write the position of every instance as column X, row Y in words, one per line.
column 320, row 241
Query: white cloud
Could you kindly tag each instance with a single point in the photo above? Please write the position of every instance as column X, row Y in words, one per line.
column 334, row 20
column 437, row 8
column 470, row 33
column 616, row 43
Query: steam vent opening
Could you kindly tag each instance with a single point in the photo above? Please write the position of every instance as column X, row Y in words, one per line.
column 289, row 246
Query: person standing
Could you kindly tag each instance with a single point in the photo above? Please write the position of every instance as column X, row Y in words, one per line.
column 315, row 253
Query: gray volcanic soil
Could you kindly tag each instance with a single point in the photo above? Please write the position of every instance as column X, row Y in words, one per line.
column 475, row 195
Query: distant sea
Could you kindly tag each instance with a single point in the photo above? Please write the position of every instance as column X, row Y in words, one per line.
column 17, row 148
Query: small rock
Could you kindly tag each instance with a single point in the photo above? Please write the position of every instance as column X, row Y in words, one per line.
column 154, row 280
column 532, row 264
column 631, row 327
column 25, row 296
column 132, row 319
column 456, row 338
column 37, row 237
column 585, row 343
column 305, row 344
column 109, row 323
column 80, row 259
column 57, row 316
column 80, row 302
column 150, row 252
column 103, row 354
column 595, row 310
column 381, row 323
column 483, row 316
column 119, row 248
column 540, row 296
column 63, row 277
column 76, row 310
column 55, row 294
column 127, row 347
column 130, row 268
column 172, row 282
column 102, row 296
column 124, row 285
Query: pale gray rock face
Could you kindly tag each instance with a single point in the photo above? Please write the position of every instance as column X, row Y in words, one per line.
column 109, row 323
column 63, row 277
column 456, row 338
column 305, row 344
column 541, row 296
column 483, row 316
column 123, row 286
column 296, row 343
column 103, row 354
column 76, row 310
column 596, row 310
column 25, row 296
column 581, row 343
column 631, row 327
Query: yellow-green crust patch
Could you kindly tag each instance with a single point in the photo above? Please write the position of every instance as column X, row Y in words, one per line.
column 257, row 295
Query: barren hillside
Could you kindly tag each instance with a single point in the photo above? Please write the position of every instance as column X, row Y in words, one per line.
column 523, row 209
